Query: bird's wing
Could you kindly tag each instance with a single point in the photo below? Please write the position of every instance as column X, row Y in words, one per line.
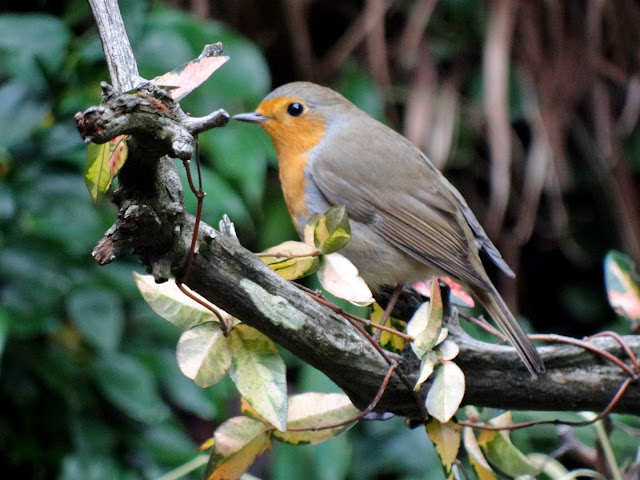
column 389, row 185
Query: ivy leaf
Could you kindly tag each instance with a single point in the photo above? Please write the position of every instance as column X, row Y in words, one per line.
column 103, row 163
column 170, row 303
column 501, row 452
column 446, row 440
column 316, row 409
column 446, row 392
column 292, row 260
column 189, row 76
column 340, row 277
column 623, row 288
column 203, row 354
column 237, row 443
column 258, row 371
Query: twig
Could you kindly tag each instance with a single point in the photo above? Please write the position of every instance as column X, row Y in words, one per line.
column 288, row 255
column 355, row 321
column 623, row 344
column 317, row 296
column 550, row 337
column 199, row 194
column 361, row 415
column 482, row 323
column 387, row 311
column 518, row 426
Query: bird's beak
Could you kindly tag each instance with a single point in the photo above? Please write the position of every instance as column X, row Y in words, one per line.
column 251, row 117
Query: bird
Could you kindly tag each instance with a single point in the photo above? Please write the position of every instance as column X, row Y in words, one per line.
column 408, row 222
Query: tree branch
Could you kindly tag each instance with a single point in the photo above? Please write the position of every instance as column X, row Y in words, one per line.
column 153, row 224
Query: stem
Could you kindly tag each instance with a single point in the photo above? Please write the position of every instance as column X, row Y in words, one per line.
column 186, row 468
column 361, row 415
column 609, row 456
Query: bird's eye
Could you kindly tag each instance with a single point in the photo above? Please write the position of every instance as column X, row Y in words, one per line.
column 295, row 109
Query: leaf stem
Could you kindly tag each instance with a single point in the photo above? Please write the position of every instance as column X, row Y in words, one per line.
column 186, row 468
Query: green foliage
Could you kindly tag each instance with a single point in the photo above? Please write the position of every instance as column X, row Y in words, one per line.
column 89, row 386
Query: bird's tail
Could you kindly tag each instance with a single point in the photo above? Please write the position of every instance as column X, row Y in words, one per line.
column 493, row 302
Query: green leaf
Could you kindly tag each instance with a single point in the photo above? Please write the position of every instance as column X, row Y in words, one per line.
column 501, row 452
column 227, row 199
column 250, row 174
column 60, row 198
column 553, row 469
column 446, row 392
column 30, row 43
column 82, row 467
column 332, row 230
column 292, row 260
column 238, row 442
column 309, row 410
column 99, row 315
column 340, row 277
column 623, row 287
column 131, row 387
column 258, row 371
column 183, row 392
column 446, row 440
column 361, row 89
column 170, row 303
column 22, row 113
column 103, row 163
column 204, row 354
column 167, row 442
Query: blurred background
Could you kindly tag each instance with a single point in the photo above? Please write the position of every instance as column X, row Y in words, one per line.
column 530, row 107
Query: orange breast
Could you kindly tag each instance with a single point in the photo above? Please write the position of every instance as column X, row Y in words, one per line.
column 293, row 183
column 293, row 138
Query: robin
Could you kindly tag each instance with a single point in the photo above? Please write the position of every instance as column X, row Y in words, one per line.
column 408, row 223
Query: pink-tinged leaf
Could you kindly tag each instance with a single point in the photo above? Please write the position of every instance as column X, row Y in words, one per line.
column 340, row 277
column 189, row 76
column 103, row 163
column 118, row 155
column 623, row 288
column 458, row 295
